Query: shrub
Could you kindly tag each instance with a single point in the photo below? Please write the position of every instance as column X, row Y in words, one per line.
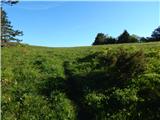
column 91, row 78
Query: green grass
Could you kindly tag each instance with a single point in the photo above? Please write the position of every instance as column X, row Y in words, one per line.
column 30, row 73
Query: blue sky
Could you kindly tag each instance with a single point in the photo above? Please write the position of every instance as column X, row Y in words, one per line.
column 65, row 24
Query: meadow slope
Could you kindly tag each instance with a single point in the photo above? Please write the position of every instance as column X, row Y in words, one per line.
column 108, row 82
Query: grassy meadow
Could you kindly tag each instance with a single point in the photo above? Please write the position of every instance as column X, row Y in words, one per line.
column 105, row 82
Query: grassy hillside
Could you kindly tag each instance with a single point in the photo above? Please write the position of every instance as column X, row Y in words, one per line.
column 113, row 82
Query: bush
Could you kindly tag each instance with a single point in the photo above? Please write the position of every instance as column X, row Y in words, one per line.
column 98, row 83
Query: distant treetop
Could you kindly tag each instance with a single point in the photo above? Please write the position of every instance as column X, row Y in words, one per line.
column 156, row 33
column 10, row 2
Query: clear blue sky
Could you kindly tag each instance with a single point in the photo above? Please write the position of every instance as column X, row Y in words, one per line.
column 64, row 24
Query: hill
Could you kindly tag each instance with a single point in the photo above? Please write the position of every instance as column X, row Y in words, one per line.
column 108, row 82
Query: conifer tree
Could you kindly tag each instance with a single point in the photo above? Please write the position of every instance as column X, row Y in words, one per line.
column 124, row 37
column 7, row 32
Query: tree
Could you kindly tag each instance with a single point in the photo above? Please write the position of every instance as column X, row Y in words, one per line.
column 10, row 2
column 134, row 38
column 7, row 32
column 143, row 39
column 124, row 37
column 156, row 34
column 100, row 39
column 110, row 40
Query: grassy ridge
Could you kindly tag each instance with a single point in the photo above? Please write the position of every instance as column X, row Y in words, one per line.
column 34, row 84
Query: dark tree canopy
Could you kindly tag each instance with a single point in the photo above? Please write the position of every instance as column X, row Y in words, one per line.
column 133, row 39
column 154, row 37
column 156, row 33
column 124, row 37
column 110, row 40
column 7, row 32
column 100, row 39
column 143, row 39
column 10, row 2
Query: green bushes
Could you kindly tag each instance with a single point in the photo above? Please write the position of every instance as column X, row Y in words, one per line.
column 105, row 69
column 104, row 85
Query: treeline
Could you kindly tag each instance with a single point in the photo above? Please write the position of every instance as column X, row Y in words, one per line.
column 125, row 37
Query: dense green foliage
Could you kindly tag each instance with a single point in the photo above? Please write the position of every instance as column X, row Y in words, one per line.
column 102, row 39
column 125, row 37
column 114, row 82
column 156, row 33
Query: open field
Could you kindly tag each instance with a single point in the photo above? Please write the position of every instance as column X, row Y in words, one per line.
column 108, row 82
